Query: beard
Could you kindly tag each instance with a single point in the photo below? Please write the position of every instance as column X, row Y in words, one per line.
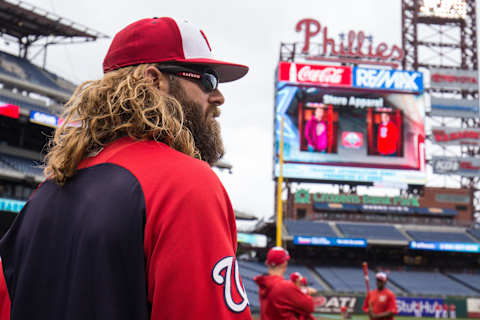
column 203, row 126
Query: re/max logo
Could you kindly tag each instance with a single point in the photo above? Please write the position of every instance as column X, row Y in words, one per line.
column 397, row 80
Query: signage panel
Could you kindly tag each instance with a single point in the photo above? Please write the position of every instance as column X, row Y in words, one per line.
column 9, row 110
column 457, row 108
column 356, row 135
column 333, row 303
column 445, row 246
column 42, row 118
column 329, row 241
column 473, row 308
column 311, row 74
column 388, row 79
column 11, row 205
column 407, row 306
column 255, row 240
column 453, row 79
column 456, row 136
column 465, row 166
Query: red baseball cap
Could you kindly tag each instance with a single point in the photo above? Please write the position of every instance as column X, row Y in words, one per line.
column 277, row 256
column 294, row 276
column 170, row 41
column 381, row 276
column 303, row 281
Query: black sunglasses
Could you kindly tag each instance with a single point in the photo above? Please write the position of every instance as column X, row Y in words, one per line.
column 207, row 78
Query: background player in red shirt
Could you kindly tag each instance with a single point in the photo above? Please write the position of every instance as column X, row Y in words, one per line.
column 453, row 314
column 381, row 303
column 387, row 136
column 280, row 298
column 132, row 223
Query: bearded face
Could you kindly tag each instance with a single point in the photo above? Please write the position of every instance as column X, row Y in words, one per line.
column 203, row 126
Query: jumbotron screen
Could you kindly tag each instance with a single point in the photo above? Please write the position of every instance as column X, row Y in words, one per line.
column 352, row 134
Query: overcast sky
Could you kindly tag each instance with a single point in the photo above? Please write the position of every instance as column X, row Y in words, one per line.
column 248, row 32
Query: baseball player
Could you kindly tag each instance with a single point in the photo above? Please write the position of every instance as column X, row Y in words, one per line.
column 445, row 311
column 131, row 222
column 453, row 314
column 438, row 310
column 296, row 278
column 280, row 298
column 418, row 310
column 381, row 303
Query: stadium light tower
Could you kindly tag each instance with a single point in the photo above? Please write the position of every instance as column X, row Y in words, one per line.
column 441, row 37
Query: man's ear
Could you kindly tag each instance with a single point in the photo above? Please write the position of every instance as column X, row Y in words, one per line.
column 159, row 79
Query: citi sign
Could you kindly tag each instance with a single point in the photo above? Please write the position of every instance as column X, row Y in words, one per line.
column 387, row 79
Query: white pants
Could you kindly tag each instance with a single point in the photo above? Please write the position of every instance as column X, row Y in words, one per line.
column 438, row 313
column 453, row 314
column 418, row 313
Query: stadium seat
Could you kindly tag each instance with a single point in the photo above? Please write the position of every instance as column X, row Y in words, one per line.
column 309, row 228
column 439, row 236
column 431, row 283
column 475, row 233
column 370, row 231
column 472, row 280
column 23, row 69
column 27, row 166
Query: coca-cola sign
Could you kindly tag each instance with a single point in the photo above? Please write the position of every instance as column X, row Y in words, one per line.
column 323, row 75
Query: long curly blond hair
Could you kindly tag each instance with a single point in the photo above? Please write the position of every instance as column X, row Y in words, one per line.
column 122, row 103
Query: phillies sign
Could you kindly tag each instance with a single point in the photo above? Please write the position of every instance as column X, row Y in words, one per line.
column 322, row 75
column 388, row 79
column 456, row 136
column 356, row 43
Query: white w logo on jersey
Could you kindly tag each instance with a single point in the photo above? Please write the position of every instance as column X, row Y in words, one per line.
column 226, row 281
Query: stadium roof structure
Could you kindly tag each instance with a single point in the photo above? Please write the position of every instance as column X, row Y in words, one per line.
column 29, row 24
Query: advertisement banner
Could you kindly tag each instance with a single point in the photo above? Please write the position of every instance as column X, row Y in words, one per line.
column 9, row 110
column 456, row 136
column 329, row 241
column 453, row 79
column 319, row 75
column 388, row 79
column 428, row 307
column 11, row 205
column 456, row 108
column 473, row 308
column 465, row 166
column 44, row 119
column 253, row 239
column 445, row 246
column 361, row 136
column 333, row 303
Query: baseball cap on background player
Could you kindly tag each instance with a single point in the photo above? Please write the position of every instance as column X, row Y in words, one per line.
column 304, row 281
column 294, row 276
column 168, row 41
column 276, row 256
column 381, row 276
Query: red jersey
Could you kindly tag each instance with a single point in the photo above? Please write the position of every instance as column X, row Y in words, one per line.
column 287, row 302
column 452, row 307
column 445, row 307
column 265, row 284
column 141, row 231
column 4, row 299
column 387, row 138
column 381, row 301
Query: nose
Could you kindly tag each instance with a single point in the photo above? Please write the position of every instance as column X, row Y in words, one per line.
column 216, row 98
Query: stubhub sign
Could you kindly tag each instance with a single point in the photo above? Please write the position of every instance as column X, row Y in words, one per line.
column 388, row 79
